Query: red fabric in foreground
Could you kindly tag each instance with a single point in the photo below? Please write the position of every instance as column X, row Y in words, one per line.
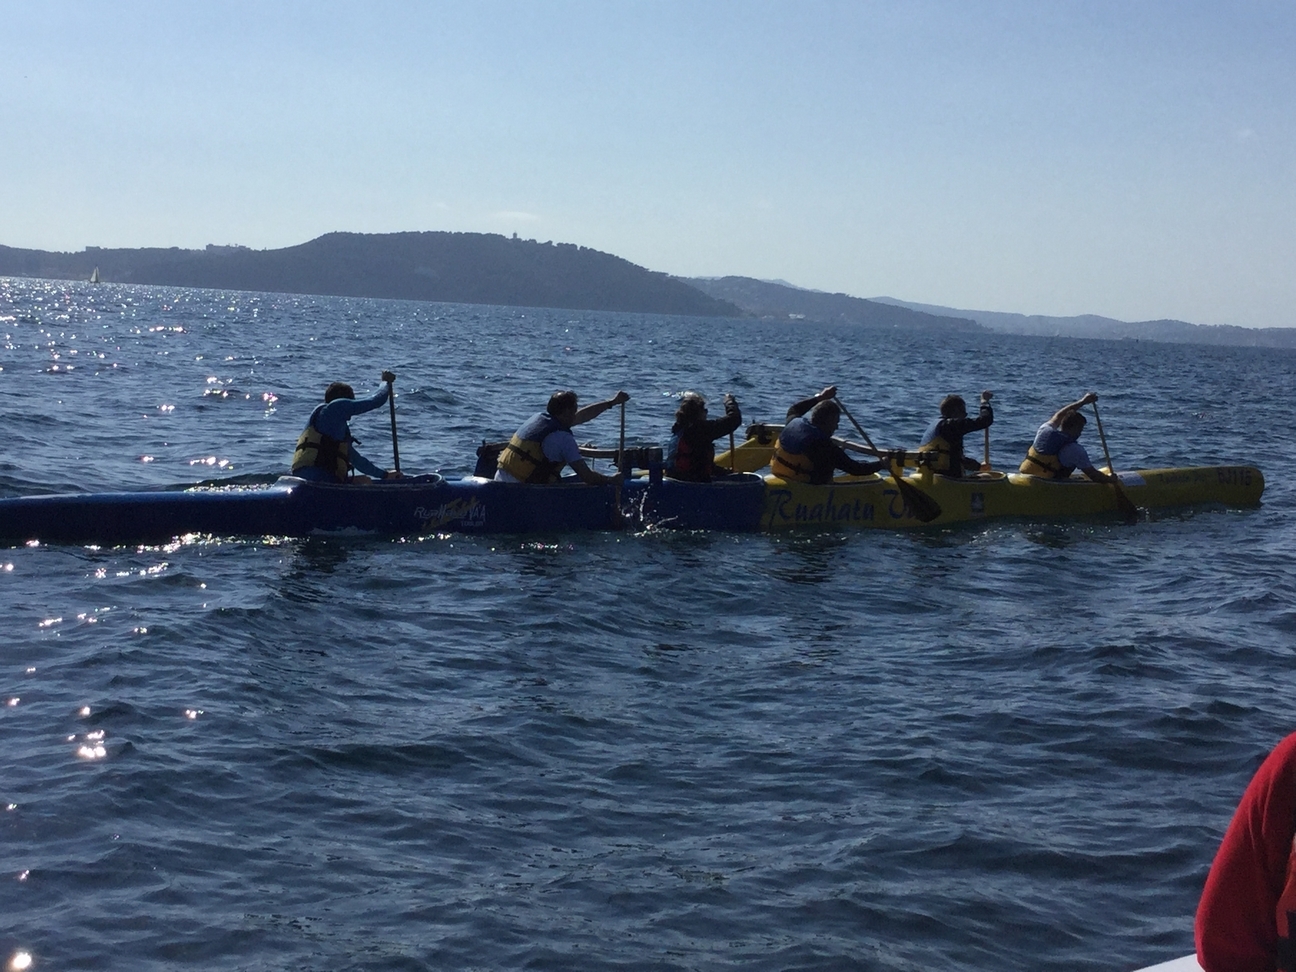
column 1242, row 919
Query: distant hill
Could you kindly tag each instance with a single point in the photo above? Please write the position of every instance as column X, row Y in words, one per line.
column 469, row 268
column 1093, row 326
column 487, row 268
column 765, row 298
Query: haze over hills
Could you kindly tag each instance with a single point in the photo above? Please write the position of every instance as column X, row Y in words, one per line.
column 469, row 268
column 485, row 268
column 768, row 298
column 764, row 298
column 1093, row 326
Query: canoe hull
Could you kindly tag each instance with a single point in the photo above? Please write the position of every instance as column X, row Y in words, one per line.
column 413, row 507
column 429, row 505
column 874, row 502
column 145, row 517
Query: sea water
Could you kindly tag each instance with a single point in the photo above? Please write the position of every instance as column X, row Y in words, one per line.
column 1009, row 745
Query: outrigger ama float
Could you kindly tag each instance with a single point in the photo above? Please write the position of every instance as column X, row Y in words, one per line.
column 744, row 502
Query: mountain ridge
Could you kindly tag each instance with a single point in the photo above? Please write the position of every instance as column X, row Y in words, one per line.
column 469, row 268
column 1165, row 330
column 489, row 268
column 780, row 300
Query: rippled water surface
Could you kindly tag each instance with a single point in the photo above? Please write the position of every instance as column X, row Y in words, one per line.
column 1004, row 746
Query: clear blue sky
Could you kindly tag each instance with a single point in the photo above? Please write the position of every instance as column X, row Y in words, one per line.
column 1133, row 159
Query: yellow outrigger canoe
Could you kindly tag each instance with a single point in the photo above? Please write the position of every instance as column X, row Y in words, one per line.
column 876, row 502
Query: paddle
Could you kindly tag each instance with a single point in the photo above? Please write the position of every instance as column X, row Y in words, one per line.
column 920, row 504
column 388, row 377
column 850, row 446
column 985, row 463
column 618, row 518
column 1122, row 501
column 733, row 456
column 621, row 444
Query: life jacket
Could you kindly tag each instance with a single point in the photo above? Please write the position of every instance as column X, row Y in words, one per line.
column 939, row 452
column 790, row 460
column 524, row 459
column 1042, row 457
column 315, row 449
column 689, row 457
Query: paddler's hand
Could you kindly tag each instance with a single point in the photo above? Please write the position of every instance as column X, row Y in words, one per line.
column 389, row 376
column 986, row 396
column 1089, row 399
column 827, row 393
column 620, row 398
column 896, row 458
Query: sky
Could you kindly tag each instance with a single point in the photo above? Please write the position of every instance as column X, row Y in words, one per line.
column 1132, row 158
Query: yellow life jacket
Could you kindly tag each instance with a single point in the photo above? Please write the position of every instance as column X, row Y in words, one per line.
column 790, row 460
column 941, row 453
column 524, row 459
column 1037, row 464
column 1042, row 457
column 314, row 448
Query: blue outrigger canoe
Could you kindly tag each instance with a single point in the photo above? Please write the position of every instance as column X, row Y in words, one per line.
column 415, row 506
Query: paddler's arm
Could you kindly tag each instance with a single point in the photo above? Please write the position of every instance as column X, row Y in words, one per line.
column 1074, row 455
column 598, row 408
column 889, row 457
column 589, row 476
column 854, row 467
column 335, row 415
column 367, row 468
column 985, row 416
column 360, row 406
column 718, row 428
column 1098, row 476
column 1061, row 414
column 561, row 447
column 803, row 406
column 964, row 425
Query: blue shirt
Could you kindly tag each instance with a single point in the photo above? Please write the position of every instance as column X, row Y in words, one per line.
column 1071, row 454
column 332, row 421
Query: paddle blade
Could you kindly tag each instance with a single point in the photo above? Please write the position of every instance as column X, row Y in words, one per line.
column 1125, row 504
column 923, row 507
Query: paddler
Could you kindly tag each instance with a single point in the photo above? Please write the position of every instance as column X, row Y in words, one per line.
column 540, row 449
column 942, row 443
column 805, row 451
column 690, row 453
column 325, row 451
column 1246, row 919
column 1055, row 453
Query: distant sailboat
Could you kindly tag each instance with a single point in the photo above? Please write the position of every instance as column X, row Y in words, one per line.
column 94, row 276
